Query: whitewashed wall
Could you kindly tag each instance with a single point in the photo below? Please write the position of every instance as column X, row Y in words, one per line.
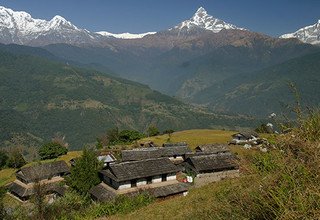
column 141, row 182
column 156, row 179
column 171, row 176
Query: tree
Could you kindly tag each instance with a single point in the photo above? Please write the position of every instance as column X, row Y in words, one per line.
column 127, row 136
column 99, row 144
column 15, row 159
column 84, row 174
column 52, row 150
column 3, row 159
column 152, row 131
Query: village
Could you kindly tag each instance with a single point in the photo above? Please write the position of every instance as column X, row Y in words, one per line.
column 161, row 171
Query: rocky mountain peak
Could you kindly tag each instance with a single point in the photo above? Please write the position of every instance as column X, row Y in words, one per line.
column 309, row 34
column 202, row 20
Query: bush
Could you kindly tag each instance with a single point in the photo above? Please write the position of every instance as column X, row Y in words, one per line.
column 51, row 151
column 128, row 136
column 153, row 131
column 3, row 159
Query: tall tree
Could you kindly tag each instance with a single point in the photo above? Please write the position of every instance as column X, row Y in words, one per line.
column 84, row 174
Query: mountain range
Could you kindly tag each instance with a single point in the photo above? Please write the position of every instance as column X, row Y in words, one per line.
column 71, row 79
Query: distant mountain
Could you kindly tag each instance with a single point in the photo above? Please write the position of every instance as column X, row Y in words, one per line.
column 202, row 21
column 309, row 34
column 21, row 28
column 268, row 90
column 40, row 98
column 124, row 35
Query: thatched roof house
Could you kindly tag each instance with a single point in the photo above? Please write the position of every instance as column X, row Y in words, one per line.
column 48, row 175
column 155, row 152
column 43, row 171
column 139, row 169
column 212, row 163
column 24, row 193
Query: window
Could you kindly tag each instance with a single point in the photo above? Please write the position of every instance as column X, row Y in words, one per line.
column 133, row 183
column 164, row 177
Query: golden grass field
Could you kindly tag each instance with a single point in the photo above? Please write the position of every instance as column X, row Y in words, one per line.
column 194, row 137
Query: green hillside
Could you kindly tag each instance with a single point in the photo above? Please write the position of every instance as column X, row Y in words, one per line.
column 266, row 91
column 40, row 98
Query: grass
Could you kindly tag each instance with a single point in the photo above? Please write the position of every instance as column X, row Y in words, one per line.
column 7, row 176
column 193, row 137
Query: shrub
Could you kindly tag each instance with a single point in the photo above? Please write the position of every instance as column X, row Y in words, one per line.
column 15, row 159
column 3, row 159
column 51, row 151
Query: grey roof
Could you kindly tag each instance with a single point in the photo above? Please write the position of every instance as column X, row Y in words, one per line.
column 42, row 171
column 178, row 144
column 139, row 169
column 213, row 162
column 168, row 190
column 103, row 194
column 154, row 152
column 23, row 191
column 246, row 134
column 100, row 193
column 213, row 148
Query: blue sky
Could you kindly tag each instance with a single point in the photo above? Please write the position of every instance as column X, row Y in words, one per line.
column 272, row 17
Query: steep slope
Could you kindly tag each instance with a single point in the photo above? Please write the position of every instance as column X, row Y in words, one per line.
column 41, row 97
column 263, row 92
column 309, row 34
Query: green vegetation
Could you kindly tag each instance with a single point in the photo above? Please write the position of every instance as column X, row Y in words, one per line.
column 15, row 159
column 84, row 174
column 41, row 98
column 52, row 150
column 152, row 131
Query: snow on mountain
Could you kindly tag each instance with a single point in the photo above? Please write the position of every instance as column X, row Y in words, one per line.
column 309, row 34
column 124, row 35
column 19, row 27
column 202, row 20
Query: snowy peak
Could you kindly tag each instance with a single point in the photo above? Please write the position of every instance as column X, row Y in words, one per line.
column 309, row 34
column 19, row 27
column 201, row 19
column 124, row 35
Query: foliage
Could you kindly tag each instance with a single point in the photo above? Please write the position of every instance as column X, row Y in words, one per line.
column 152, row 131
column 121, row 205
column 84, row 174
column 127, row 136
column 168, row 131
column 113, row 135
column 3, row 158
column 15, row 159
column 52, row 150
column 99, row 145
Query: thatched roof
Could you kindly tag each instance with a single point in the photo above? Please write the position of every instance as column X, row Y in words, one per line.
column 43, row 171
column 23, row 191
column 178, row 144
column 101, row 194
column 213, row 148
column 154, row 152
column 169, row 190
column 212, row 162
column 139, row 169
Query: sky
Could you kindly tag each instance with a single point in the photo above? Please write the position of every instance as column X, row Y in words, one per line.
column 272, row 17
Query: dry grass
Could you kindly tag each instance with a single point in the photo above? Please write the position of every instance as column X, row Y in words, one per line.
column 193, row 137
column 7, row 176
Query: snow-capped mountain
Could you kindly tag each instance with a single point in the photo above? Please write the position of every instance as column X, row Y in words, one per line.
column 201, row 20
column 309, row 34
column 20, row 28
column 124, row 35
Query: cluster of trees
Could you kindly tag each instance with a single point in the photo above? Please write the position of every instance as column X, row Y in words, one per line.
column 52, row 150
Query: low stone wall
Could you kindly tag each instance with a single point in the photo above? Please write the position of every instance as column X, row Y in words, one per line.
column 205, row 178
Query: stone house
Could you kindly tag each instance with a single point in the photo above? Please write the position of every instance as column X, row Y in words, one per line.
column 156, row 176
column 48, row 175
